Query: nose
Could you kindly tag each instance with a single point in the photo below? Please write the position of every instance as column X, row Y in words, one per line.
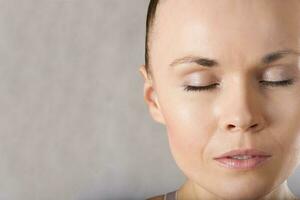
column 241, row 124
column 239, row 110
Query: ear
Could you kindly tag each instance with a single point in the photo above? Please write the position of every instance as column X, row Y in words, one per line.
column 150, row 96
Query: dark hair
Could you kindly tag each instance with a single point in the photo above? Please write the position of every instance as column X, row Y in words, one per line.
column 150, row 19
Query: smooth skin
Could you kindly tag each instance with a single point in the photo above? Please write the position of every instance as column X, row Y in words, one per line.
column 241, row 111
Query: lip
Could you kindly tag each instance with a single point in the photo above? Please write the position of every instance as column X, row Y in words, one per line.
column 249, row 152
column 258, row 158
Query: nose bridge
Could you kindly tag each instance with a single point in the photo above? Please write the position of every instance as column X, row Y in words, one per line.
column 239, row 109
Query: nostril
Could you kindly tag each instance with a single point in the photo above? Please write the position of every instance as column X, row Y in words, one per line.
column 257, row 127
column 230, row 126
column 254, row 126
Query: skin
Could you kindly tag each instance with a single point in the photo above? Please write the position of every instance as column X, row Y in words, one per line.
column 239, row 113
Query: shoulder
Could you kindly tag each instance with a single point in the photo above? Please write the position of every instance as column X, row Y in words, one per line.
column 159, row 197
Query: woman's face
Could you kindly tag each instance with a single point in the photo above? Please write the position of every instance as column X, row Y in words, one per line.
column 246, row 45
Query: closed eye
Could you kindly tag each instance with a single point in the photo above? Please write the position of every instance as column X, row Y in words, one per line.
column 277, row 83
column 283, row 83
column 200, row 88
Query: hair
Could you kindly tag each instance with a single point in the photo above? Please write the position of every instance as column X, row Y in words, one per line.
column 150, row 19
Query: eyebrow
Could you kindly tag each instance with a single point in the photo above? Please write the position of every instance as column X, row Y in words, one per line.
column 272, row 57
column 207, row 62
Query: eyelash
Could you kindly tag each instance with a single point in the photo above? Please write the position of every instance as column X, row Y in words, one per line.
column 284, row 83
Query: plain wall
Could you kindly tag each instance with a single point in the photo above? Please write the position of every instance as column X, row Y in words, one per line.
column 73, row 122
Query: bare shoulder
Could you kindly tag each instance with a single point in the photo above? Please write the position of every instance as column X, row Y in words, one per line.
column 159, row 197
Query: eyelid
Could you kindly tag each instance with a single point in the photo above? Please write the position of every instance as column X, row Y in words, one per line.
column 280, row 71
column 200, row 79
column 276, row 74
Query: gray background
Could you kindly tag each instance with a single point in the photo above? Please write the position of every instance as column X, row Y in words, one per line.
column 73, row 122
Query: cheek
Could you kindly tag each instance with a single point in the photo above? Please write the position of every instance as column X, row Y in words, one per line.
column 286, row 121
column 189, row 128
column 284, row 128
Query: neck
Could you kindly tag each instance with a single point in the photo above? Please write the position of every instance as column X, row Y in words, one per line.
column 190, row 190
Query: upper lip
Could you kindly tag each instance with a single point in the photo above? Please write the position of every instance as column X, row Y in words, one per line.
column 250, row 152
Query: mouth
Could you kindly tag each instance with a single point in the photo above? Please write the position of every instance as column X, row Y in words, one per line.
column 242, row 158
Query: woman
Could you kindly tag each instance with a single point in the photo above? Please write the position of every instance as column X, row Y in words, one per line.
column 224, row 78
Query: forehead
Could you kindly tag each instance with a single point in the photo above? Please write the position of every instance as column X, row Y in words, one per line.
column 225, row 29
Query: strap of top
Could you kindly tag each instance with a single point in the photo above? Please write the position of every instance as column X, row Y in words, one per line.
column 170, row 196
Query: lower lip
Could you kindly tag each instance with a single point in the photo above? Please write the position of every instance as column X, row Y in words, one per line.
column 250, row 163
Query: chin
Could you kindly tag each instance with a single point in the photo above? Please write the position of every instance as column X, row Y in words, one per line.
column 250, row 186
column 244, row 189
column 250, row 194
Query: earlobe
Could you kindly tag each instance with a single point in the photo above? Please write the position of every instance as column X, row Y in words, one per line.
column 151, row 98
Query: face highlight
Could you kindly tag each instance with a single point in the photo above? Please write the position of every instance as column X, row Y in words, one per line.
column 226, row 75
